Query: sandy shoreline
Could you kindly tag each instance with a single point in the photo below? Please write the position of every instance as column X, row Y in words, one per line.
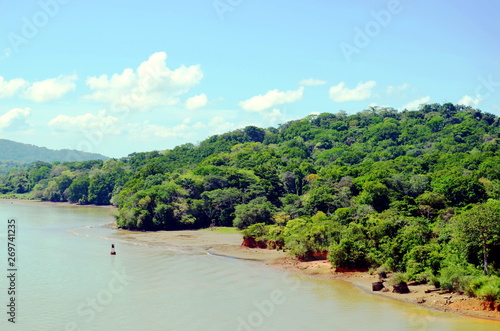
column 56, row 204
column 229, row 244
column 223, row 244
column 446, row 302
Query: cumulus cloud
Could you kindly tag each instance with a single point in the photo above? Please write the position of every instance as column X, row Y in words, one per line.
column 469, row 101
column 9, row 88
column 186, row 130
column 42, row 91
column 51, row 89
column 391, row 89
column 271, row 99
column 416, row 103
column 14, row 117
column 340, row 93
column 218, row 125
column 274, row 116
column 146, row 131
column 196, row 102
column 151, row 84
column 312, row 82
column 86, row 122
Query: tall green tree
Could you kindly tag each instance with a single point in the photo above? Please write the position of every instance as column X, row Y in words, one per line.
column 479, row 227
column 79, row 190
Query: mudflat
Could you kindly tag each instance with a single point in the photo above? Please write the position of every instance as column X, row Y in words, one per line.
column 229, row 244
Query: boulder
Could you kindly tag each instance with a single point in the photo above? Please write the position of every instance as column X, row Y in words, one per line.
column 377, row 286
column 401, row 288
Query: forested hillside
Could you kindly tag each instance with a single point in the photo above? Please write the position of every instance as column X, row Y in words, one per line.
column 411, row 191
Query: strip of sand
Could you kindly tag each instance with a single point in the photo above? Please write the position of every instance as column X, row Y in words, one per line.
column 448, row 302
column 229, row 244
column 217, row 243
column 55, row 204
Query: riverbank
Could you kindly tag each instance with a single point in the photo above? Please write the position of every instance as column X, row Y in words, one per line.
column 229, row 244
column 55, row 204
column 214, row 242
column 447, row 302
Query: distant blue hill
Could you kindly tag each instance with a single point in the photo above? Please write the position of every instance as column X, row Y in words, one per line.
column 14, row 152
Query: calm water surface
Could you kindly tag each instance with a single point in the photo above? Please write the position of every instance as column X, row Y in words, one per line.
column 67, row 280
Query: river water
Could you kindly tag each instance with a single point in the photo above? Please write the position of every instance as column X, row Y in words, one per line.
column 65, row 279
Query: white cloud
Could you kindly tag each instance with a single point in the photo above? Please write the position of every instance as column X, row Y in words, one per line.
column 270, row 99
column 88, row 122
column 219, row 125
column 470, row 101
column 13, row 117
column 196, row 102
column 11, row 87
column 416, row 103
column 186, row 130
column 50, row 89
column 145, row 131
column 198, row 126
column 391, row 89
column 42, row 91
column 339, row 93
column 312, row 82
column 151, row 84
column 274, row 116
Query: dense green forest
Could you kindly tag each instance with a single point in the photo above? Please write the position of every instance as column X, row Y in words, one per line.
column 414, row 192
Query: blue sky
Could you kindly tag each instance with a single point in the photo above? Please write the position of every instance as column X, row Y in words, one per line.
column 116, row 77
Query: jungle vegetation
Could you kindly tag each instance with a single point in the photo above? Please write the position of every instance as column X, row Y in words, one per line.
column 414, row 192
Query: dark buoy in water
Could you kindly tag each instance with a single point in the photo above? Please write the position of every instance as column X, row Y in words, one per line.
column 113, row 252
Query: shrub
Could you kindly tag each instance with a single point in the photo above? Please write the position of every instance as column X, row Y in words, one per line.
column 303, row 236
column 298, row 247
column 489, row 292
column 351, row 251
column 275, row 236
column 456, row 277
column 397, row 278
column 258, row 231
column 256, row 211
column 485, row 287
column 423, row 277
column 434, row 280
column 475, row 284
column 381, row 272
